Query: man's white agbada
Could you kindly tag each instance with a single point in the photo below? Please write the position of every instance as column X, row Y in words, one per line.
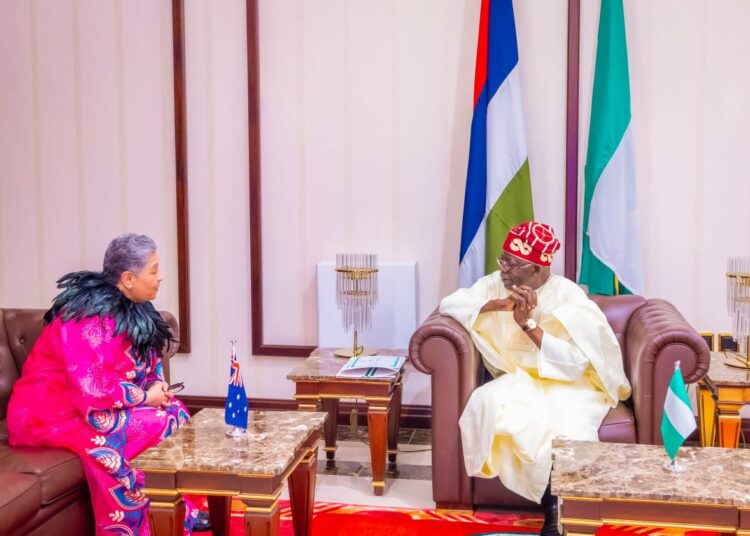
column 564, row 389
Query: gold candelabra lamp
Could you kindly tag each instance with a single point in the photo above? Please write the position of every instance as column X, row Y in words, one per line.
column 356, row 296
column 738, row 307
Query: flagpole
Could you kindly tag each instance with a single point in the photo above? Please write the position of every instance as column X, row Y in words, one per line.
column 672, row 465
column 617, row 288
column 235, row 432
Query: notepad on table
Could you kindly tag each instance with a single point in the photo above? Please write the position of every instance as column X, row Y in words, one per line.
column 374, row 367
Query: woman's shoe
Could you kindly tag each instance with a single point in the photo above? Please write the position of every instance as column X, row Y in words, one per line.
column 202, row 522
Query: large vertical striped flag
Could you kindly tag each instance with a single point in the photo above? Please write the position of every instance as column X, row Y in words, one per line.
column 611, row 245
column 677, row 421
column 498, row 186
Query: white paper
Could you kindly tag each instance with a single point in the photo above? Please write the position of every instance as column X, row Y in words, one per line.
column 372, row 367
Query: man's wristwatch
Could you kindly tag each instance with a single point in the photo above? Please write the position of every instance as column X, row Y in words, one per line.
column 529, row 325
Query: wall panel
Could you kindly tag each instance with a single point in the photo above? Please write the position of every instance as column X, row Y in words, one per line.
column 365, row 115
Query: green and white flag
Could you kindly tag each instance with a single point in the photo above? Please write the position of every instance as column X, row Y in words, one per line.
column 610, row 247
column 678, row 420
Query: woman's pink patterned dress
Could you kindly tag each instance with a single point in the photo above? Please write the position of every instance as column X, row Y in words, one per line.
column 82, row 389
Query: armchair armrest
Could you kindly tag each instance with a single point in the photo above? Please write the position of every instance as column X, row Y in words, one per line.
column 443, row 349
column 657, row 336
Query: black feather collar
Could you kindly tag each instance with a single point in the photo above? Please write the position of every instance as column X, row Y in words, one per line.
column 87, row 294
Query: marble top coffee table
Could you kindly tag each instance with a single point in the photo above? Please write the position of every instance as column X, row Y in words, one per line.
column 201, row 459
column 626, row 484
column 316, row 382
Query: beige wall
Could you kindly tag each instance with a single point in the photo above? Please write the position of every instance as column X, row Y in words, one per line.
column 365, row 111
column 86, row 150
column 689, row 91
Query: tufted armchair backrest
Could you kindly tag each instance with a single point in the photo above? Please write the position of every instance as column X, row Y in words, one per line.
column 618, row 310
column 19, row 330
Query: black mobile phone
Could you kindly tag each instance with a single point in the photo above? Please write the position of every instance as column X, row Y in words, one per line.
column 176, row 387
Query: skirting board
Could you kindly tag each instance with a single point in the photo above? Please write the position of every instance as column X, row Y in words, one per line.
column 412, row 416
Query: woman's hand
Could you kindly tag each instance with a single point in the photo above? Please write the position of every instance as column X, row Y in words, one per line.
column 505, row 304
column 158, row 395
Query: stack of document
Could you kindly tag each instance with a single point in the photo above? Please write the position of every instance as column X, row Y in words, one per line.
column 373, row 367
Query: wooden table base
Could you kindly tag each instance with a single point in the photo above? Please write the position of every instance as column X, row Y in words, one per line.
column 166, row 514
column 261, row 517
column 721, row 395
column 317, row 386
column 720, row 419
column 382, row 429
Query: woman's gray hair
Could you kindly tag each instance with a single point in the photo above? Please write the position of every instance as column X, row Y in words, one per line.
column 127, row 253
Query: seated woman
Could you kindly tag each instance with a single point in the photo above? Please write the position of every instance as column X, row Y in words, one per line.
column 93, row 382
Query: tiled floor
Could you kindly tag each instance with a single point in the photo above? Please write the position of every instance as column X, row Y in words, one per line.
column 408, row 482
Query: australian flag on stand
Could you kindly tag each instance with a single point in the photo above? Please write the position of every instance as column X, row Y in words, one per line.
column 235, row 411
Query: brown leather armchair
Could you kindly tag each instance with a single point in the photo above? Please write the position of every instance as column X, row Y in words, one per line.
column 43, row 491
column 652, row 336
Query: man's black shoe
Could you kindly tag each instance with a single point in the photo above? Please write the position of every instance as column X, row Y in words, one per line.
column 550, row 515
column 202, row 522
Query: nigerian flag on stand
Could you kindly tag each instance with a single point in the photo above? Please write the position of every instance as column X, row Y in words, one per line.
column 611, row 246
column 678, row 421
column 498, row 184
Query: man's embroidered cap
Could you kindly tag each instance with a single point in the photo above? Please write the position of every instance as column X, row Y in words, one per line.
column 532, row 241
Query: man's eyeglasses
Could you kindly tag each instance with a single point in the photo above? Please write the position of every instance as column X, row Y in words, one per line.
column 504, row 264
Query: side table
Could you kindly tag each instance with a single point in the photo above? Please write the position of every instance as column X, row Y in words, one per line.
column 316, row 383
column 721, row 395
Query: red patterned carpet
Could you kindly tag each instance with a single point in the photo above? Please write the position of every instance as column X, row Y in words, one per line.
column 335, row 519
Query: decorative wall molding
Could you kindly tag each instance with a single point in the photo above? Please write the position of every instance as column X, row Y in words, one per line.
column 259, row 347
column 256, row 249
column 571, row 140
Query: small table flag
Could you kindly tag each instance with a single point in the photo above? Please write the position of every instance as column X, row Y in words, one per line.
column 678, row 421
column 235, row 410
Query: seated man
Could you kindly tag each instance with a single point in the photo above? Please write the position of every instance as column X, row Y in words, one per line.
column 556, row 362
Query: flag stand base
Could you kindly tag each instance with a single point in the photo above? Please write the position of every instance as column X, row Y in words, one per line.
column 674, row 467
column 236, row 432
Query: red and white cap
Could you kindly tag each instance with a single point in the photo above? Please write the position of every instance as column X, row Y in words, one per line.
column 533, row 242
